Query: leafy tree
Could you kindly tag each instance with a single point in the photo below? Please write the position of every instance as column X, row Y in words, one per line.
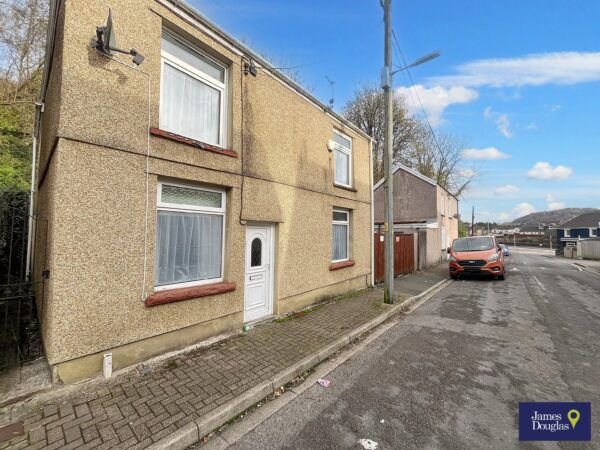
column 22, row 38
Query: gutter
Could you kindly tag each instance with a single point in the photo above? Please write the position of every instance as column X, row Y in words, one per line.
column 371, row 237
column 242, row 50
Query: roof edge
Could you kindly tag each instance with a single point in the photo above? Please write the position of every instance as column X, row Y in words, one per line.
column 414, row 172
column 187, row 8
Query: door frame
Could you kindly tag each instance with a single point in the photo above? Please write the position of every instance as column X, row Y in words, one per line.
column 270, row 238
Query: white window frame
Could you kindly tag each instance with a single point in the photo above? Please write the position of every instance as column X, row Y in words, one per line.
column 182, row 66
column 593, row 232
column 346, row 151
column 176, row 207
column 567, row 232
column 347, row 224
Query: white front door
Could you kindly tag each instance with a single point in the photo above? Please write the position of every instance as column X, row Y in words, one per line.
column 258, row 292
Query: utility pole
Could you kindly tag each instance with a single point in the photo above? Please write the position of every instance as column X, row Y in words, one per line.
column 473, row 221
column 388, row 155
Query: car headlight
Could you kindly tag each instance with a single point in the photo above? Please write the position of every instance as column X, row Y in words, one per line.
column 494, row 257
column 452, row 258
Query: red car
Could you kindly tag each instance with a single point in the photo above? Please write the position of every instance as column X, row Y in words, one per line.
column 481, row 255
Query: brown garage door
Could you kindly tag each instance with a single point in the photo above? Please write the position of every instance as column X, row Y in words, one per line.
column 404, row 255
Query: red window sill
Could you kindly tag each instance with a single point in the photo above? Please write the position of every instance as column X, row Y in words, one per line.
column 351, row 189
column 192, row 142
column 341, row 265
column 177, row 295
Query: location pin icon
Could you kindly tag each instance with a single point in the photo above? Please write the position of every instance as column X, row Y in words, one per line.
column 573, row 417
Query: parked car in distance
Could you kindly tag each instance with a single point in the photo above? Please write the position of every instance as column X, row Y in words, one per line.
column 505, row 251
column 481, row 255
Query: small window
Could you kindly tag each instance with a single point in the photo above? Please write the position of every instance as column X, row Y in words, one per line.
column 593, row 232
column 567, row 233
column 340, row 235
column 193, row 93
column 342, row 159
column 189, row 236
column 256, row 253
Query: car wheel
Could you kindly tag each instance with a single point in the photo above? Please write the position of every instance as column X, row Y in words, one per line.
column 502, row 277
column 454, row 277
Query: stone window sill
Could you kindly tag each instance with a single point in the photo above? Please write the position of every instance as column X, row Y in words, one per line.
column 351, row 189
column 341, row 265
column 177, row 295
column 192, row 142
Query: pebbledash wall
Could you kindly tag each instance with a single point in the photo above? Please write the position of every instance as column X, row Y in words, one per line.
column 98, row 176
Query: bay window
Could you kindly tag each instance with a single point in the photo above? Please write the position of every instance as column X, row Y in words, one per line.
column 342, row 159
column 341, row 235
column 190, row 230
column 193, row 93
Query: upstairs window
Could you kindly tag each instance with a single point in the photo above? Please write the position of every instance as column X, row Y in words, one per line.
column 193, row 93
column 342, row 159
column 341, row 235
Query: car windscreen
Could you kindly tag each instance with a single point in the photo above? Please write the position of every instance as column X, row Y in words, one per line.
column 473, row 244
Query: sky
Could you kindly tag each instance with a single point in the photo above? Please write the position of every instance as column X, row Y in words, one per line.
column 518, row 82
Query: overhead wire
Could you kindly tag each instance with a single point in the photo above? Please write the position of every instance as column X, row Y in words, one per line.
column 397, row 47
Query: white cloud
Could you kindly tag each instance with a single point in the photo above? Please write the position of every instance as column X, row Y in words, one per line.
column 544, row 171
column 503, row 124
column 507, row 189
column 554, row 108
column 552, row 203
column 501, row 120
column 532, row 127
column 467, row 173
column 555, row 205
column 435, row 100
column 529, row 70
column 522, row 209
column 484, row 153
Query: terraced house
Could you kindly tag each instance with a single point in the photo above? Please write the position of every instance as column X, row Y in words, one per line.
column 187, row 195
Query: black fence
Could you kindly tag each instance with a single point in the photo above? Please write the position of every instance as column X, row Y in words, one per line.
column 19, row 328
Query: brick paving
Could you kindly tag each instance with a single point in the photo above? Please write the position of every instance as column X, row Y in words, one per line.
column 134, row 410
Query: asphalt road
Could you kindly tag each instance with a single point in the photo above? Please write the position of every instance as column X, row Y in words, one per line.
column 452, row 373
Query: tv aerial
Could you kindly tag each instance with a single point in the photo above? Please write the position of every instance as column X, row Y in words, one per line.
column 106, row 42
column 332, row 99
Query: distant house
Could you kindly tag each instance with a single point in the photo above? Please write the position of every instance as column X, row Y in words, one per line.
column 422, row 209
column 584, row 226
column 532, row 229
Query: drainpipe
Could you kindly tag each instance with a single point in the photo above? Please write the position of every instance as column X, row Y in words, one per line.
column 39, row 109
column 54, row 9
column 372, row 281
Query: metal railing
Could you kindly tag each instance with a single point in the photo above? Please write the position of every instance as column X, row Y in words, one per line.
column 19, row 328
column 20, row 339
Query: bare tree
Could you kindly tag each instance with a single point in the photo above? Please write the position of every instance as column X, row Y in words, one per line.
column 414, row 144
column 367, row 111
column 440, row 157
column 22, row 38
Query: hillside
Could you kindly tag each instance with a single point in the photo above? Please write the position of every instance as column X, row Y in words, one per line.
column 557, row 216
